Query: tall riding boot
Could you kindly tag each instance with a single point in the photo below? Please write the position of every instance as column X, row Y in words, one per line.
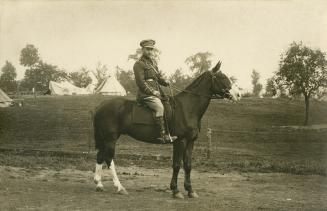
column 165, row 138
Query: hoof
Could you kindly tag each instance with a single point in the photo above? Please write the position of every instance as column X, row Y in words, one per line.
column 193, row 195
column 123, row 191
column 178, row 195
column 96, row 181
column 99, row 188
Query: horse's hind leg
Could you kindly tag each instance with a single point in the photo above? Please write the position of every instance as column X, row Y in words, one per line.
column 110, row 154
column 98, row 170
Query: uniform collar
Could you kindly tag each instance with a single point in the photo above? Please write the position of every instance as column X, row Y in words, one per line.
column 148, row 60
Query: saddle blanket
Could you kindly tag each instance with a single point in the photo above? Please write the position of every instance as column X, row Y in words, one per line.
column 142, row 115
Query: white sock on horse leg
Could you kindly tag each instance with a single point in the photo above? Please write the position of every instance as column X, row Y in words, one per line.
column 115, row 177
column 98, row 174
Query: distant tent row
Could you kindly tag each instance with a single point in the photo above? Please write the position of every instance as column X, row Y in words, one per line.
column 5, row 101
column 110, row 86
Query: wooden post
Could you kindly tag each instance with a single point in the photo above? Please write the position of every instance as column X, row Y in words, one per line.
column 209, row 143
column 33, row 90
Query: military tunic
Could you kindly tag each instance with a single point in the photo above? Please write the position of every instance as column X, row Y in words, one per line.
column 148, row 78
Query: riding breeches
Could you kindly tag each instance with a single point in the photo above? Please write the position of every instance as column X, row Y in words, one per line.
column 155, row 104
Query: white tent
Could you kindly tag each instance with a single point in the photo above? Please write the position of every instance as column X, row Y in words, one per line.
column 5, row 101
column 111, row 86
column 66, row 88
column 90, row 88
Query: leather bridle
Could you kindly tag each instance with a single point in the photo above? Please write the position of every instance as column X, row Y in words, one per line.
column 225, row 93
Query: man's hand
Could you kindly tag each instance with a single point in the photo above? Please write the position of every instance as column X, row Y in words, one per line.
column 167, row 83
column 156, row 93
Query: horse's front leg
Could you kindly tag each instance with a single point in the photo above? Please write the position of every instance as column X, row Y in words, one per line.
column 187, row 159
column 178, row 150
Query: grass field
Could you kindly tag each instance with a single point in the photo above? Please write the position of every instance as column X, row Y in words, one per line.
column 248, row 135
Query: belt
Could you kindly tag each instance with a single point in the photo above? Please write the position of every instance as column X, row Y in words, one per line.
column 150, row 79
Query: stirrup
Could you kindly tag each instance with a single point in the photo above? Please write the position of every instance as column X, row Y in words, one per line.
column 167, row 139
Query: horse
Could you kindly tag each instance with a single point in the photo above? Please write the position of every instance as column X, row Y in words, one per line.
column 113, row 118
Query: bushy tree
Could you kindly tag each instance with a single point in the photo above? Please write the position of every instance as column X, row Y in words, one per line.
column 38, row 73
column 7, row 78
column 274, row 88
column 101, row 73
column 127, row 80
column 199, row 62
column 29, row 56
column 41, row 74
column 81, row 78
column 179, row 80
column 271, row 89
column 257, row 87
column 303, row 71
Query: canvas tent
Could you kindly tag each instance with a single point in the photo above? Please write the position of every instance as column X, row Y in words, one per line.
column 5, row 101
column 90, row 88
column 111, row 86
column 66, row 88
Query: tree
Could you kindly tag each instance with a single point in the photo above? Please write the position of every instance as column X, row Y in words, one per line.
column 41, row 74
column 179, row 80
column 271, row 89
column 275, row 88
column 81, row 78
column 303, row 71
column 100, row 73
column 199, row 62
column 7, row 78
column 126, row 79
column 29, row 56
column 257, row 87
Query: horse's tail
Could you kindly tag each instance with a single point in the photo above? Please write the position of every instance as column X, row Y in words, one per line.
column 98, row 134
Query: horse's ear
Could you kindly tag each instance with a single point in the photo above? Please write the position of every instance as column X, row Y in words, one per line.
column 217, row 67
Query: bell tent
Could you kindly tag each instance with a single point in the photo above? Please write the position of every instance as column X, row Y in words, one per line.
column 5, row 101
column 65, row 88
column 110, row 86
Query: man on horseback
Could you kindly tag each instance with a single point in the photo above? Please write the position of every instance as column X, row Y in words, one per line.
column 148, row 79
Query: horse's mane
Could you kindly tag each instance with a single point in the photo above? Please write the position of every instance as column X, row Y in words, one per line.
column 196, row 81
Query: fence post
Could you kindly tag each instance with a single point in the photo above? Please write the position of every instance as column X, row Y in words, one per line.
column 209, row 144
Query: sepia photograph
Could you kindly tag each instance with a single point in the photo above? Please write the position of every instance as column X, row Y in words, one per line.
column 163, row 105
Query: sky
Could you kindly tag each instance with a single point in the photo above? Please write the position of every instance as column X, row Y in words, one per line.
column 244, row 35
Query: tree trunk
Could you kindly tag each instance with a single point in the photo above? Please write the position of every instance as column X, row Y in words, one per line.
column 306, row 98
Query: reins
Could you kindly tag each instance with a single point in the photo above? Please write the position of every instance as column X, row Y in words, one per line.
column 214, row 96
column 187, row 91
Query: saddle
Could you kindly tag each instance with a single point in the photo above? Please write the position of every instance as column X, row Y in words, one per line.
column 142, row 114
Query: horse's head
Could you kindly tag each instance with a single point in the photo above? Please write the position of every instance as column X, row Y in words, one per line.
column 222, row 85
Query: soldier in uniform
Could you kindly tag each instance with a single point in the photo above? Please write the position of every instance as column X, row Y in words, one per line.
column 149, row 79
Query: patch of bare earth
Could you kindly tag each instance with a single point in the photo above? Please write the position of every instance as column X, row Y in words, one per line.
column 69, row 189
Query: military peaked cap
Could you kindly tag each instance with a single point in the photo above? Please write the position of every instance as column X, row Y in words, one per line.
column 147, row 43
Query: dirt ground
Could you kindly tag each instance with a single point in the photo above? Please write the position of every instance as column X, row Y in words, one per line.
column 69, row 189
